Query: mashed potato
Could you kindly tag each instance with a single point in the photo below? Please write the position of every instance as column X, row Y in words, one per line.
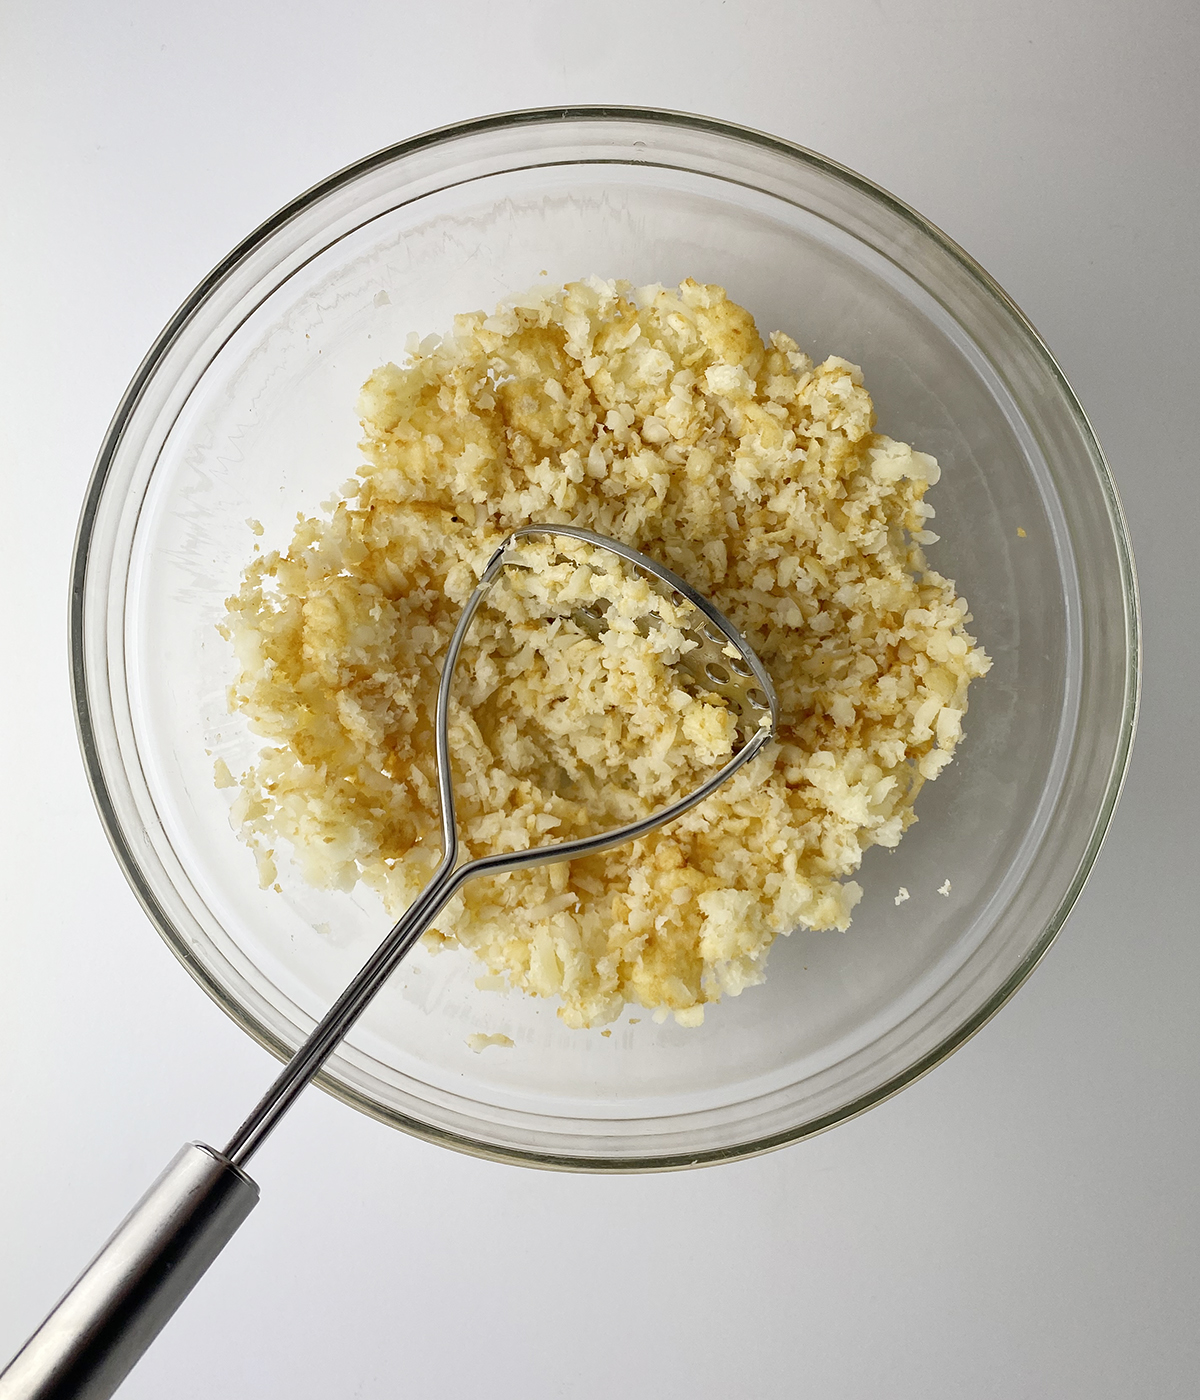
column 658, row 417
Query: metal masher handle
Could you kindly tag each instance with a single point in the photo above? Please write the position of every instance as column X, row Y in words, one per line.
column 128, row 1293
column 120, row 1303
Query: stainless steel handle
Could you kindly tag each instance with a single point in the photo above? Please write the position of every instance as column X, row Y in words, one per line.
column 126, row 1295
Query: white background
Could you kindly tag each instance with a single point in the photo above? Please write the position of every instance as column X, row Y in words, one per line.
column 1023, row 1222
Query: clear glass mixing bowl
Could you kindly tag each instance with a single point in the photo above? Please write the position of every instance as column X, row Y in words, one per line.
column 244, row 408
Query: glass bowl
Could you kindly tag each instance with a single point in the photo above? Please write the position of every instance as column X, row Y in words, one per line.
column 244, row 409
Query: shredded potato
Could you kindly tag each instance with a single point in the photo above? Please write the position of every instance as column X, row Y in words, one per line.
column 660, row 418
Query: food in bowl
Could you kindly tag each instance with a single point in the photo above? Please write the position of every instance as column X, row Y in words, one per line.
column 661, row 418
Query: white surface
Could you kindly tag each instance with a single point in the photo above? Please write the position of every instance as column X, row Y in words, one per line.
column 1021, row 1223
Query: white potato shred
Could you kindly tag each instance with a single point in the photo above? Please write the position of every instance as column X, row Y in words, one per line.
column 660, row 418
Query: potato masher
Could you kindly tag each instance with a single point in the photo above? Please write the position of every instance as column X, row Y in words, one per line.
column 91, row 1340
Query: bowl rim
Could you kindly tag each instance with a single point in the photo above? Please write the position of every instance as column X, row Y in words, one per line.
column 86, row 719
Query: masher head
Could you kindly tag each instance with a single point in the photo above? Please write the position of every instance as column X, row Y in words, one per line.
column 714, row 658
